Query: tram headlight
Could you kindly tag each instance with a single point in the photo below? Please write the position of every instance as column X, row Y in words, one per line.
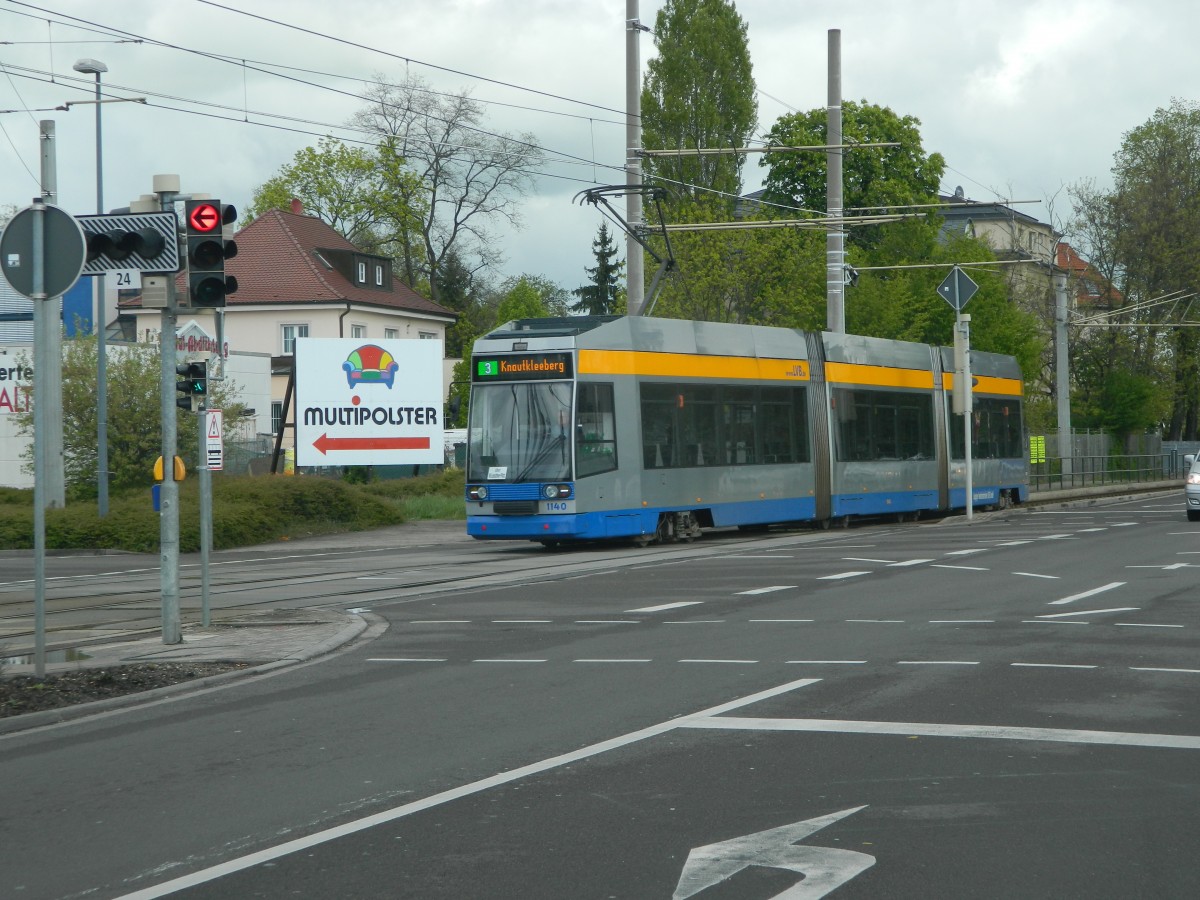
column 556, row 491
column 479, row 492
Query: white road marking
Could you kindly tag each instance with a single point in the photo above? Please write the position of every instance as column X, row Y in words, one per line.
column 608, row 621
column 696, row 622
column 1179, row 671
column 307, row 842
column 1035, row 575
column 840, row 575
column 824, row 868
column 521, row 621
column 826, row 662
column 1054, row 537
column 1085, row 530
column 1049, row 666
column 962, row 621
column 928, row 729
column 782, row 620
column 1143, row 625
column 937, row 662
column 867, row 559
column 1091, row 593
column 1013, row 543
column 665, row 606
column 1050, row 622
column 744, row 662
column 1123, row 524
column 966, row 552
column 879, row 621
column 909, row 562
column 1089, row 612
column 510, row 660
column 962, row 568
column 612, row 660
column 766, row 590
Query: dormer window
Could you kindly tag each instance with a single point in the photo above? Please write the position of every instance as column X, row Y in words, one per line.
column 378, row 275
column 362, row 273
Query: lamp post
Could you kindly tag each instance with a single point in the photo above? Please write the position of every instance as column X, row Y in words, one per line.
column 95, row 67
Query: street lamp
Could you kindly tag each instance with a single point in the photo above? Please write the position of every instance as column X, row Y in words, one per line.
column 95, row 67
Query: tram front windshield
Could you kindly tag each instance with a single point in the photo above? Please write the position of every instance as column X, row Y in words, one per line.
column 520, row 432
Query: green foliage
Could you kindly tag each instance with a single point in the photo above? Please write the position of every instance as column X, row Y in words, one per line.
column 133, row 376
column 873, row 177
column 521, row 301
column 603, row 295
column 366, row 195
column 699, row 92
column 247, row 510
column 1127, row 403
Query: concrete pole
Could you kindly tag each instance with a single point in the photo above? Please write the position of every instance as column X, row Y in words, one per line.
column 635, row 290
column 166, row 187
column 835, row 237
column 1062, row 373
column 51, row 374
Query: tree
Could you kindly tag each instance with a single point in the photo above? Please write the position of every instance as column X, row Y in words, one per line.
column 364, row 194
column 699, row 93
column 469, row 177
column 602, row 296
column 873, row 177
column 133, row 375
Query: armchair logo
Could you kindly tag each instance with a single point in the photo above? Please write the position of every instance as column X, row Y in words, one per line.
column 370, row 364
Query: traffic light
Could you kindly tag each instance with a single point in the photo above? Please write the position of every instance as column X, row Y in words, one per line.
column 208, row 246
column 194, row 384
column 143, row 241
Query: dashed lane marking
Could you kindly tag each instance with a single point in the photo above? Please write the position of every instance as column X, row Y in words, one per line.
column 962, row 568
column 1035, row 575
column 766, row 590
column 840, row 576
column 908, row 562
column 1089, row 612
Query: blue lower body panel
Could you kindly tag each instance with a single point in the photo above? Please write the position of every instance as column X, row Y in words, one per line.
column 627, row 523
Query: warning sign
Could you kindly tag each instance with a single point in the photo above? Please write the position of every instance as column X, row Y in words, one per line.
column 214, row 446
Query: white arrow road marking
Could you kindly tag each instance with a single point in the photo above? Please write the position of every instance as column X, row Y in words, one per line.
column 823, row 868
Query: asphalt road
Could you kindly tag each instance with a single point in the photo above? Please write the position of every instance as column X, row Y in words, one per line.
column 1001, row 709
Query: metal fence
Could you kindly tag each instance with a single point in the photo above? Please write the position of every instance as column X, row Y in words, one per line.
column 1083, row 459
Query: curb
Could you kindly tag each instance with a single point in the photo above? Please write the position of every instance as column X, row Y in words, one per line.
column 366, row 626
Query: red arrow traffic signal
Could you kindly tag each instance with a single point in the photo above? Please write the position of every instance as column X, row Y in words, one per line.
column 204, row 217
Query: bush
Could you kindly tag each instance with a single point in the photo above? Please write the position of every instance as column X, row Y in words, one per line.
column 246, row 510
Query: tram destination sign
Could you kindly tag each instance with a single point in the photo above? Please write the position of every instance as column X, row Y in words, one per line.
column 523, row 367
column 368, row 403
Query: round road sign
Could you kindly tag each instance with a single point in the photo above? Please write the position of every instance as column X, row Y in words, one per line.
column 63, row 250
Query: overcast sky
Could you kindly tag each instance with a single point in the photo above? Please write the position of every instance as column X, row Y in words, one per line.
column 1022, row 98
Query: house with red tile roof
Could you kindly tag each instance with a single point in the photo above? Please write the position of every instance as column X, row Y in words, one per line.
column 298, row 277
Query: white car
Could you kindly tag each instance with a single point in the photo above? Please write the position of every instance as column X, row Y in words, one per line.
column 1192, row 488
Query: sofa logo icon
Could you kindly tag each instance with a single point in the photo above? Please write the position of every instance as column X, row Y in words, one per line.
column 370, row 364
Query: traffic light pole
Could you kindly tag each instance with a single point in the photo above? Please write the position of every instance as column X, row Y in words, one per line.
column 205, row 512
column 167, row 187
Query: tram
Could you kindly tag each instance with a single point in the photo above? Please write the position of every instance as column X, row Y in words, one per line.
column 636, row 428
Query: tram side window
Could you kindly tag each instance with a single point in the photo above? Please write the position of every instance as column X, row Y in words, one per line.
column 879, row 425
column 595, row 430
column 996, row 430
column 704, row 425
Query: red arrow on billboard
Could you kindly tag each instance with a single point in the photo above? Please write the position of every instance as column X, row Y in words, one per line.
column 325, row 443
column 204, row 217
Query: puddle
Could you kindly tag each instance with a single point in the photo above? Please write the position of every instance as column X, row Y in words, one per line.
column 52, row 656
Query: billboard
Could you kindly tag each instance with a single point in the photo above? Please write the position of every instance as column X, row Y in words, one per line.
column 368, row 403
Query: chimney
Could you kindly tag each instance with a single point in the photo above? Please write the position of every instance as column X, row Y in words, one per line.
column 297, row 207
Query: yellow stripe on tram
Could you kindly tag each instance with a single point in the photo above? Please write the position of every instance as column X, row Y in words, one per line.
column 985, row 384
column 690, row 365
column 877, row 376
